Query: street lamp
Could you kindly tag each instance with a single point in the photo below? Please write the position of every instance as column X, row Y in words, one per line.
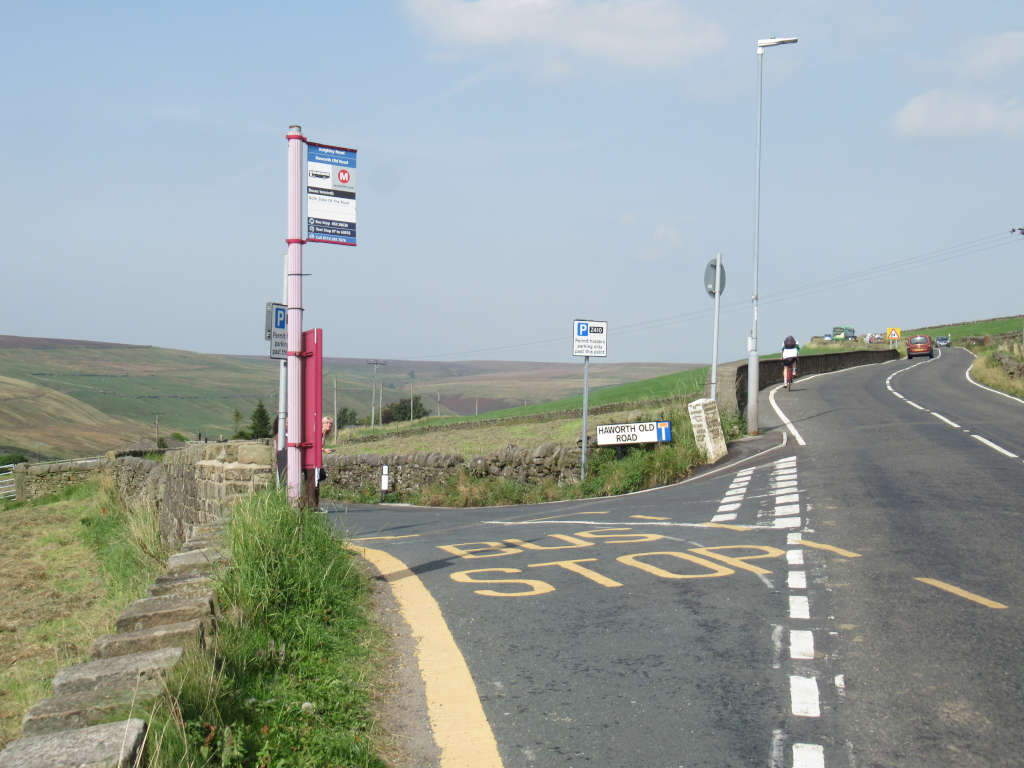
column 754, row 362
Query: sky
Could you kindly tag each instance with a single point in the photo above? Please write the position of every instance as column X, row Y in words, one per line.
column 521, row 164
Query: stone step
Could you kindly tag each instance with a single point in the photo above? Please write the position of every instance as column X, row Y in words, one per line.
column 179, row 635
column 165, row 609
column 181, row 585
column 84, row 708
column 199, row 562
column 209, row 529
column 200, row 542
column 122, row 672
column 114, row 745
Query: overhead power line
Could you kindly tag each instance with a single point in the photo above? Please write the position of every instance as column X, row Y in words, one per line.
column 965, row 249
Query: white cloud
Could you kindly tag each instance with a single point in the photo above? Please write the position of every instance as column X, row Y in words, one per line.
column 994, row 55
column 642, row 34
column 948, row 113
column 665, row 233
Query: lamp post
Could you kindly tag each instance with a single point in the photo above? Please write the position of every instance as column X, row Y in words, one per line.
column 754, row 362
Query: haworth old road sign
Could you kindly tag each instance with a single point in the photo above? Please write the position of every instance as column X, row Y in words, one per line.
column 639, row 432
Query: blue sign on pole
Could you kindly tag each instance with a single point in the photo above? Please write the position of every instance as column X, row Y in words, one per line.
column 330, row 194
column 664, row 431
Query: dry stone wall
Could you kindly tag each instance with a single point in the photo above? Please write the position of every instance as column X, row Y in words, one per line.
column 34, row 480
column 418, row 470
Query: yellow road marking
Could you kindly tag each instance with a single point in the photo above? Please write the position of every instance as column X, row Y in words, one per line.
column 649, row 517
column 961, row 593
column 829, row 548
column 387, row 538
column 728, row 527
column 565, row 514
column 456, row 714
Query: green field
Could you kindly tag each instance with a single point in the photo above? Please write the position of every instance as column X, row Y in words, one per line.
column 977, row 328
column 62, row 398
column 673, row 385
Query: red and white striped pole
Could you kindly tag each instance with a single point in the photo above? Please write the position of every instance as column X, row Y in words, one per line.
column 296, row 142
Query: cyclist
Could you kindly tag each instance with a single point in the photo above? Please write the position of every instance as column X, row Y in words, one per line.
column 790, row 353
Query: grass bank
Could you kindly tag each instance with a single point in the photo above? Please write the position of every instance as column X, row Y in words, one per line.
column 673, row 385
column 989, row 371
column 290, row 677
column 69, row 563
column 608, row 472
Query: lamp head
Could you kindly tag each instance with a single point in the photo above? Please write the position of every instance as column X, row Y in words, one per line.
column 770, row 41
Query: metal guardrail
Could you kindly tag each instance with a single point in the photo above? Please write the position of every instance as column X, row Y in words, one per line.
column 80, row 460
column 7, row 489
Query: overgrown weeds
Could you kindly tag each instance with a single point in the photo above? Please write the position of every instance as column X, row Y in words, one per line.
column 288, row 681
column 610, row 471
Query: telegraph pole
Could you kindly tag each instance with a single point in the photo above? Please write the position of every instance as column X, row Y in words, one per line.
column 373, row 393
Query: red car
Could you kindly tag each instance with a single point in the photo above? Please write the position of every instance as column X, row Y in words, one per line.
column 919, row 345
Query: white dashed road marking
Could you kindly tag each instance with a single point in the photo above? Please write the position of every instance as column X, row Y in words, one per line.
column 994, row 447
column 803, row 695
column 940, row 417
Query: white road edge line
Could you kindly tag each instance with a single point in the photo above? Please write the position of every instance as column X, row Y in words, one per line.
column 967, row 373
column 783, row 417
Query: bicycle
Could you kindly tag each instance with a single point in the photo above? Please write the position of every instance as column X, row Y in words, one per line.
column 788, row 373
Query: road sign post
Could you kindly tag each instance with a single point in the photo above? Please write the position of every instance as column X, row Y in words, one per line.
column 590, row 337
column 714, row 283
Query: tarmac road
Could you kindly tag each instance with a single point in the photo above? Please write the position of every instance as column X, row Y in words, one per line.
column 920, row 472
column 768, row 613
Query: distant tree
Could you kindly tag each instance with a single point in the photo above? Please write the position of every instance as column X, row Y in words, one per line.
column 259, row 422
column 236, row 418
column 399, row 410
column 345, row 417
column 13, row 458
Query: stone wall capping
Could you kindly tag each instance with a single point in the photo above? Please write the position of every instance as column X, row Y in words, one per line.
column 186, row 633
column 118, row 672
column 113, row 745
column 193, row 585
column 84, row 708
column 165, row 609
column 198, row 562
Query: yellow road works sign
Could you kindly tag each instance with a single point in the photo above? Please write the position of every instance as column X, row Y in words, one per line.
column 892, row 334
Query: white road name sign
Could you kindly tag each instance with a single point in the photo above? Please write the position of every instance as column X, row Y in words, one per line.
column 589, row 338
column 639, row 432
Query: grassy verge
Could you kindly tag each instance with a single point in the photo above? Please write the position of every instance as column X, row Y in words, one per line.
column 988, row 371
column 69, row 563
column 608, row 473
column 289, row 681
